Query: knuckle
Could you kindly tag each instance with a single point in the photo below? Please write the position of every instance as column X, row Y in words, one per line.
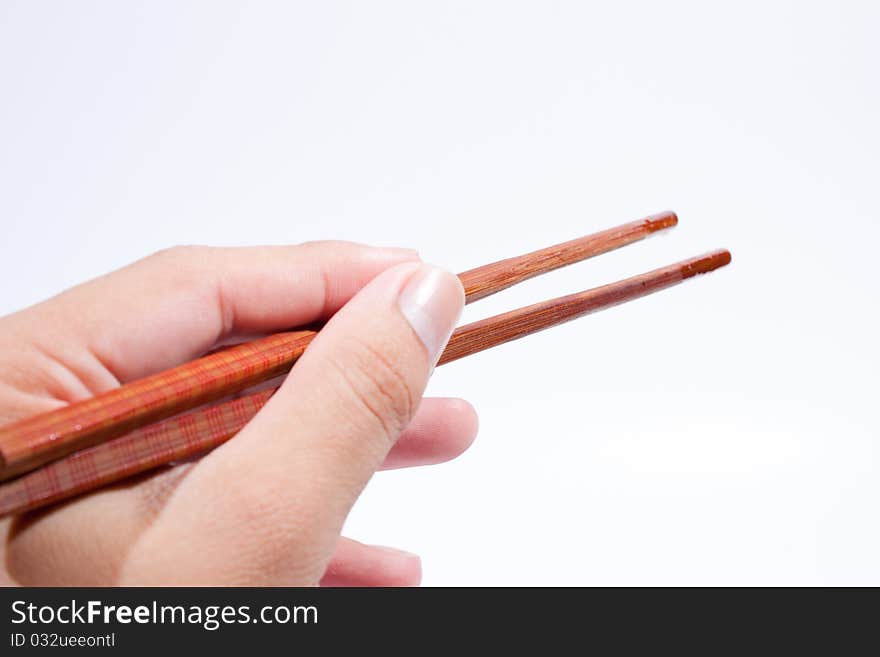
column 377, row 385
column 187, row 261
column 182, row 258
column 179, row 252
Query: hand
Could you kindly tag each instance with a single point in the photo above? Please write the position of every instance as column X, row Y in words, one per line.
column 267, row 507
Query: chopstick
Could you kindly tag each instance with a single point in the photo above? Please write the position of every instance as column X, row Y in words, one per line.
column 493, row 331
column 35, row 441
column 199, row 431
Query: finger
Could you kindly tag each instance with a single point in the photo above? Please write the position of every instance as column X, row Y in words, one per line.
column 441, row 430
column 356, row 564
column 175, row 305
column 272, row 501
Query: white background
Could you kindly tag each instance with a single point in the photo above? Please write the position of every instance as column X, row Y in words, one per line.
column 723, row 432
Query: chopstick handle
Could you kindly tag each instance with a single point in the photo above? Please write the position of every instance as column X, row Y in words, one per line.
column 33, row 441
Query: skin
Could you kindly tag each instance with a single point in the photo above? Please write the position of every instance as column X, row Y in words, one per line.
column 267, row 507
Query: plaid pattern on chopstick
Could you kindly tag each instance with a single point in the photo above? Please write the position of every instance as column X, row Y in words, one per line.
column 174, row 439
column 34, row 441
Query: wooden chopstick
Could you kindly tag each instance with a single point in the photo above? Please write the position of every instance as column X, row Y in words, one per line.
column 487, row 280
column 515, row 324
column 198, row 431
column 34, row 441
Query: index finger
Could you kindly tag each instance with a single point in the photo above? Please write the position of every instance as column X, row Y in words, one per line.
column 177, row 304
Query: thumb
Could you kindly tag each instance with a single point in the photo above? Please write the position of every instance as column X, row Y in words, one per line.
column 280, row 491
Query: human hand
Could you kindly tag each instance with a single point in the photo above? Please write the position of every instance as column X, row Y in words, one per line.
column 267, row 507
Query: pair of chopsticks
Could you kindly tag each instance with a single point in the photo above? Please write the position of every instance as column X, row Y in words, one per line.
column 152, row 422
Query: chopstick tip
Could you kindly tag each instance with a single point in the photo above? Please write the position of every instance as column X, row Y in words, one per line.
column 705, row 264
column 661, row 220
